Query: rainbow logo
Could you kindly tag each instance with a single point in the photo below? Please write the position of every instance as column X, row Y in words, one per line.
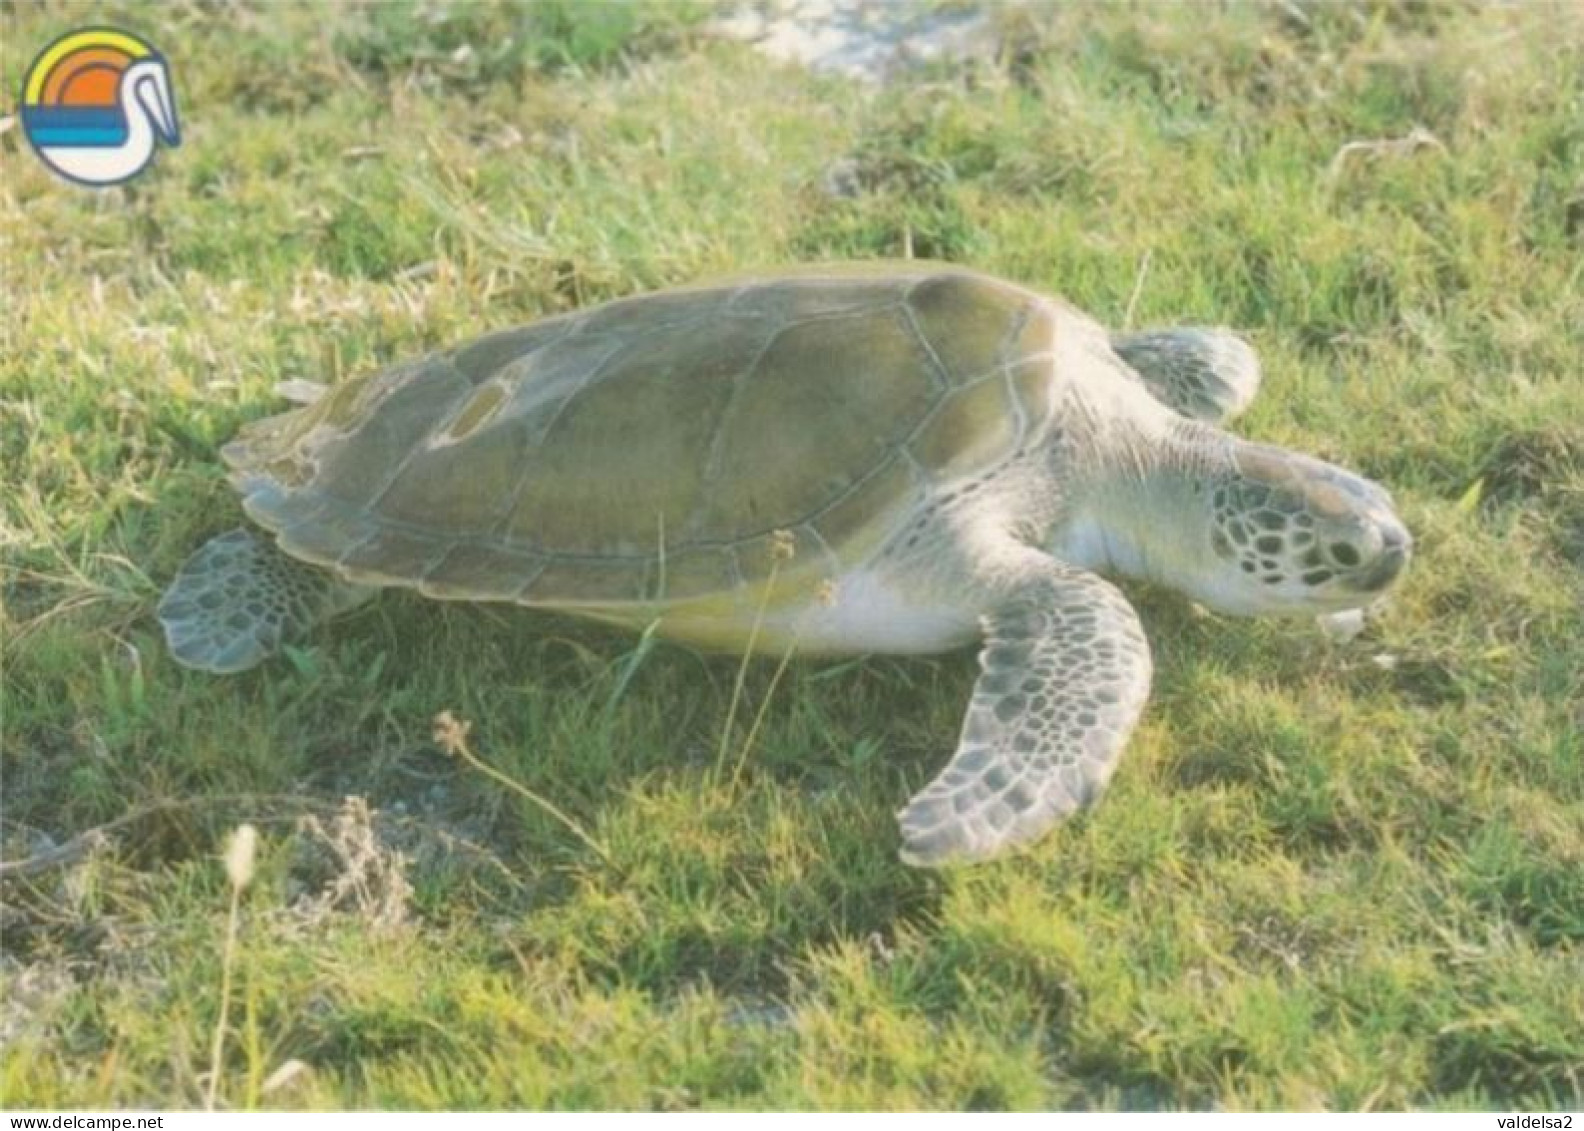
column 94, row 101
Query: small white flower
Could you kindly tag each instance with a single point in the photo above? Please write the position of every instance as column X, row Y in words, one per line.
column 239, row 854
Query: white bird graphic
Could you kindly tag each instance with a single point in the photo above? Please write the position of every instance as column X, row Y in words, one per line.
column 144, row 96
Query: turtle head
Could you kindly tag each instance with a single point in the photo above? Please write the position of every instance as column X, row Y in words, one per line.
column 1295, row 535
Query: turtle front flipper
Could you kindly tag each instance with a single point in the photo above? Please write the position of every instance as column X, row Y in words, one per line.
column 239, row 598
column 1199, row 372
column 1064, row 674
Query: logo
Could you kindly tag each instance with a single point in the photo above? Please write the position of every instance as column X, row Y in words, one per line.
column 93, row 103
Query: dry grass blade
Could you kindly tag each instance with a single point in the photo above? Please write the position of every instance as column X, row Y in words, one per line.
column 451, row 735
column 1416, row 139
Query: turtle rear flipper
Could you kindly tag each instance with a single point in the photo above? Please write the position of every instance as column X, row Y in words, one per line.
column 239, row 598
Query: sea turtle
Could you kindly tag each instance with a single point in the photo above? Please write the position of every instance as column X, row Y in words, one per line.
column 900, row 458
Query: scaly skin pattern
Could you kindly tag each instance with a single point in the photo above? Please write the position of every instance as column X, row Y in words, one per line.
column 239, row 599
column 1063, row 677
column 1204, row 373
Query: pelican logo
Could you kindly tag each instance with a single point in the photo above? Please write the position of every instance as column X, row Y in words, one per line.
column 93, row 103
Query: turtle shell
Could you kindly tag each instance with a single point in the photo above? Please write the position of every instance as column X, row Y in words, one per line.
column 675, row 446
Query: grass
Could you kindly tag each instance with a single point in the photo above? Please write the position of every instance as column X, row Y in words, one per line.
column 1326, row 875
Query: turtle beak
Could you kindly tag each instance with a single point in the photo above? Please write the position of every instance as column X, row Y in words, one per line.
column 1396, row 549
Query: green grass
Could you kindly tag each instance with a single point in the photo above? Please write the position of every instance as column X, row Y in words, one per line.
column 1326, row 875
